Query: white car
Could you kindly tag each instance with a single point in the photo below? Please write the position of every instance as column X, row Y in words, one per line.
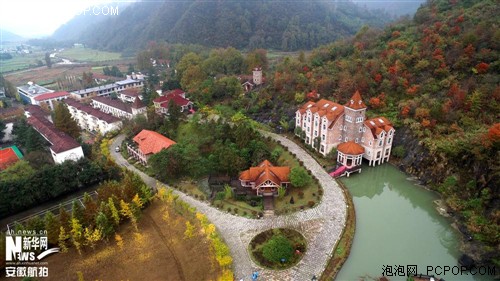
column 117, row 149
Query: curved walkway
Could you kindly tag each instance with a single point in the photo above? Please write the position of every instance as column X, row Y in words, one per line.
column 321, row 226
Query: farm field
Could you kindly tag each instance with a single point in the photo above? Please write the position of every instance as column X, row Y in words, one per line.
column 20, row 62
column 157, row 252
column 88, row 55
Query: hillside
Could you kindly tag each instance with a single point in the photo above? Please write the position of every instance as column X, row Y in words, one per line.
column 280, row 25
column 7, row 36
column 71, row 30
column 436, row 77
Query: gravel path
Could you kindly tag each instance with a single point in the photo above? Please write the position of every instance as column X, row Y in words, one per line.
column 321, row 225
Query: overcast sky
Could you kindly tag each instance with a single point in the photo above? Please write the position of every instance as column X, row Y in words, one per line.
column 34, row 18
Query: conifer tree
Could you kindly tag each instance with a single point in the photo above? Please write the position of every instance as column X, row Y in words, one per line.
column 114, row 212
column 64, row 122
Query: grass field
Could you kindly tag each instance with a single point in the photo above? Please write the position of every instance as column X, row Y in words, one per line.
column 158, row 251
column 20, row 62
column 88, row 55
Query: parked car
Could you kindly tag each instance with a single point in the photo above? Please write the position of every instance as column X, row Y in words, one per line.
column 117, row 149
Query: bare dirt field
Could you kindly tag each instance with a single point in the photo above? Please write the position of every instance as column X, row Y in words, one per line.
column 157, row 252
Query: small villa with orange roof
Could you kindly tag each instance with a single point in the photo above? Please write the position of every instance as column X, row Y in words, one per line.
column 265, row 179
column 147, row 143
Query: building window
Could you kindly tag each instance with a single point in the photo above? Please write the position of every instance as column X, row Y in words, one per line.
column 324, row 126
column 345, row 127
column 315, row 132
column 308, row 119
column 389, row 140
column 322, row 149
column 356, row 140
column 363, row 139
column 345, row 139
column 390, row 133
column 359, row 119
column 360, row 129
column 340, row 138
column 370, row 143
column 323, row 137
column 364, row 129
column 378, row 154
column 348, row 118
column 380, row 143
column 315, row 123
column 386, row 152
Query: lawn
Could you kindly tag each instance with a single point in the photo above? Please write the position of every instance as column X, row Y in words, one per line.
column 88, row 55
column 158, row 251
column 20, row 62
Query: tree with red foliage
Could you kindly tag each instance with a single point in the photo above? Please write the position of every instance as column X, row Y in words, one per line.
column 405, row 111
column 378, row 78
column 482, row 67
column 412, row 90
column 494, row 133
column 469, row 50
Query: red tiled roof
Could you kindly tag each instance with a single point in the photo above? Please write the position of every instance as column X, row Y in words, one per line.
column 150, row 142
column 350, row 148
column 92, row 111
column 378, row 125
column 137, row 103
column 7, row 157
column 356, row 102
column 264, row 172
column 330, row 109
column 174, row 95
column 60, row 141
column 49, row 96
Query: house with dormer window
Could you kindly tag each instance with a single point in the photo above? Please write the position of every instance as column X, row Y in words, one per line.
column 326, row 124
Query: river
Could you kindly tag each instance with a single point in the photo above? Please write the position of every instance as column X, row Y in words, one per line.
column 397, row 225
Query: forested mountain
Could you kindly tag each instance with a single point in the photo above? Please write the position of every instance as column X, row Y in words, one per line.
column 285, row 25
column 71, row 30
column 436, row 77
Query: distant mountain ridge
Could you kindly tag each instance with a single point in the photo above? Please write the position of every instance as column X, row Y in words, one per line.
column 71, row 30
column 273, row 24
column 7, row 36
column 393, row 7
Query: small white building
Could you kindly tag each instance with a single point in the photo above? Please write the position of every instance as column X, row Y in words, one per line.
column 28, row 92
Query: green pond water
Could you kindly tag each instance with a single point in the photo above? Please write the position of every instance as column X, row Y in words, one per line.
column 397, row 224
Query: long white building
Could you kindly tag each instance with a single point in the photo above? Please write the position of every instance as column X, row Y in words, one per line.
column 326, row 124
column 132, row 81
column 91, row 119
column 118, row 108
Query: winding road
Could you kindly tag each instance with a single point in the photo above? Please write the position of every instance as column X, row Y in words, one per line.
column 321, row 226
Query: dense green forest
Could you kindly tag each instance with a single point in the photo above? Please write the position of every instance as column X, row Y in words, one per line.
column 241, row 24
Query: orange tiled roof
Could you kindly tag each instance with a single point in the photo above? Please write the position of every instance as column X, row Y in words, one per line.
column 378, row 125
column 330, row 109
column 150, row 142
column 356, row 102
column 350, row 148
column 266, row 171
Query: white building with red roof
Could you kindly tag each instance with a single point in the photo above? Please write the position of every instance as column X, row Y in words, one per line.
column 326, row 124
column 91, row 119
column 147, row 143
column 50, row 98
column 63, row 147
column 176, row 96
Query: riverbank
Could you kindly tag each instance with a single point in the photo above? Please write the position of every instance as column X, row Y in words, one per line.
column 482, row 254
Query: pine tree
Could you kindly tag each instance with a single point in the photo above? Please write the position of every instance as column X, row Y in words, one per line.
column 103, row 223
column 90, row 209
column 64, row 122
column 52, row 226
column 92, row 236
column 76, row 211
column 77, row 234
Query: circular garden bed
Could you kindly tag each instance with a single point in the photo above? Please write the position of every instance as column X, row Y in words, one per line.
column 278, row 248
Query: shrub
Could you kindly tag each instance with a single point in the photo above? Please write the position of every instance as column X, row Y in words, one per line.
column 301, row 194
column 299, row 177
column 229, row 209
column 245, row 213
column 236, row 210
column 320, row 192
column 220, row 195
column 399, row 151
column 277, row 248
column 311, row 204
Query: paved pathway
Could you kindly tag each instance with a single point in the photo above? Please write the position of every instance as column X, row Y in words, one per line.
column 321, row 225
